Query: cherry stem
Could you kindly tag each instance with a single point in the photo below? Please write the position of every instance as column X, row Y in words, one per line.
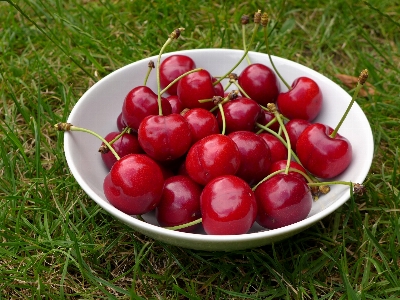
column 179, row 78
column 361, row 80
column 270, row 59
column 244, row 42
column 198, row 221
column 151, row 67
column 273, row 109
column 246, row 51
column 70, row 127
column 221, row 109
column 119, row 135
column 174, row 35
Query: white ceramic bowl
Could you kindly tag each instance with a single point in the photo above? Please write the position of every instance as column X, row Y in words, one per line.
column 101, row 104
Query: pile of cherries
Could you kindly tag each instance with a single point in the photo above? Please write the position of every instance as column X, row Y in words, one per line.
column 196, row 152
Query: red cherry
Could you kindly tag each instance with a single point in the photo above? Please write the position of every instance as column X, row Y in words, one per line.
column 120, row 122
column 260, row 83
column 302, row 101
column 134, row 184
column 294, row 128
column 255, row 159
column 194, row 87
column 164, row 138
column 180, row 202
column 213, row 156
column 171, row 68
column 240, row 114
column 126, row 144
column 281, row 165
column 322, row 155
column 228, row 206
column 201, row 122
column 176, row 104
column 141, row 102
column 282, row 200
column 277, row 150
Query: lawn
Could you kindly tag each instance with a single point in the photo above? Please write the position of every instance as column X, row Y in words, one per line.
column 56, row 243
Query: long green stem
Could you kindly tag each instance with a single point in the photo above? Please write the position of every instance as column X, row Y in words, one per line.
column 158, row 75
column 363, row 77
column 244, row 42
column 271, row 61
column 282, row 126
column 70, row 127
column 198, row 221
column 241, row 59
column 221, row 110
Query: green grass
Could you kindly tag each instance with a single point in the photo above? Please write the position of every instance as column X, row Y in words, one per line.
column 56, row 243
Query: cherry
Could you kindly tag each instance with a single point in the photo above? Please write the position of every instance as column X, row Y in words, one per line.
column 255, row 159
column 180, row 202
column 171, row 68
column 240, row 114
column 323, row 155
column 302, row 101
column 134, row 185
column 197, row 86
column 278, row 151
column 228, row 206
column 282, row 200
column 260, row 83
column 294, row 128
column 212, row 156
column 124, row 145
column 201, row 122
column 164, row 138
column 141, row 102
column 176, row 104
column 281, row 165
column 120, row 122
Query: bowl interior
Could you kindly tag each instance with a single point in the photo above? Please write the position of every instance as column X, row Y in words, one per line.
column 100, row 106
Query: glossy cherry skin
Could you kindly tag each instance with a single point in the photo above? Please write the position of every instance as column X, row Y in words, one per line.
column 322, row 155
column 213, row 156
column 134, row 185
column 260, row 83
column 171, row 68
column 281, row 165
column 202, row 123
column 294, row 128
column 240, row 114
column 197, row 86
column 176, row 104
column 255, row 157
column 278, row 151
column 302, row 101
column 180, row 203
column 164, row 138
column 282, row 200
column 141, row 102
column 228, row 206
column 126, row 144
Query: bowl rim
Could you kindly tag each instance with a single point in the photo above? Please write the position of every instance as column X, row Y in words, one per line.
column 194, row 237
